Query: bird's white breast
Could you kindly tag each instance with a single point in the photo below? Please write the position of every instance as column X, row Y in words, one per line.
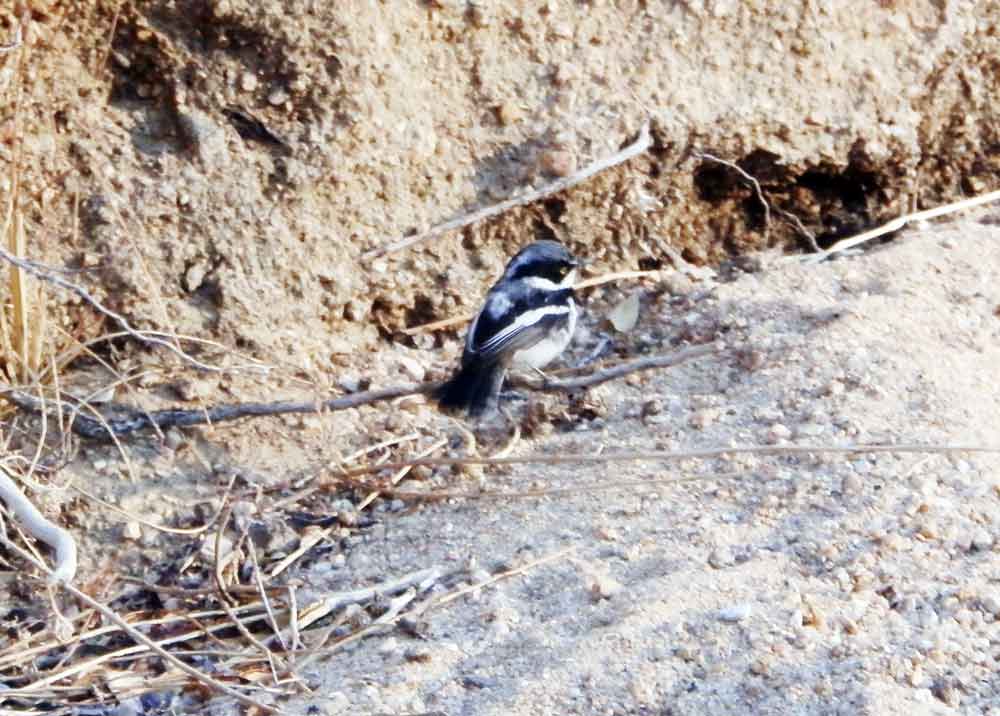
column 546, row 350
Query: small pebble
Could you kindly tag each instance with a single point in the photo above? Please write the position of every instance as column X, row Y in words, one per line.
column 760, row 666
column 834, row 387
column 735, row 613
column 478, row 14
column 809, row 430
column 721, row 557
column 654, row 406
column 777, row 433
column 981, row 540
column 132, row 530
column 991, row 605
column 389, row 646
column 191, row 390
column 508, row 113
column 412, row 368
column 604, row 587
column 350, row 383
column 248, row 82
column 851, row 484
column 558, row 162
column 703, row 418
column 277, row 97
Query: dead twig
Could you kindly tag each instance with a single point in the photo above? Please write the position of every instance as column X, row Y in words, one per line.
column 643, row 142
column 133, row 420
column 401, row 473
column 566, row 385
column 445, row 599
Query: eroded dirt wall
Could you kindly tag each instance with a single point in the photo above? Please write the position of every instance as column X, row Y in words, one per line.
column 230, row 161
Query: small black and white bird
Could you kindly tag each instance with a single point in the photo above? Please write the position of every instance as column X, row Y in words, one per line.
column 527, row 319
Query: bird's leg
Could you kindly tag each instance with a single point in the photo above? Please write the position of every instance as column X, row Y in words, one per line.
column 512, row 394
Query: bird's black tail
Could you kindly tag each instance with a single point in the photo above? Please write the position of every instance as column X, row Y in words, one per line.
column 475, row 389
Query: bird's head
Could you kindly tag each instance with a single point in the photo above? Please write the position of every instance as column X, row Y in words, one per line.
column 545, row 260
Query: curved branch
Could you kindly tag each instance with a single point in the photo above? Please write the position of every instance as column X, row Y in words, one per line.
column 41, row 529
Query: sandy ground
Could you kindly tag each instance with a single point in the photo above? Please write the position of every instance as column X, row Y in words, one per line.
column 818, row 584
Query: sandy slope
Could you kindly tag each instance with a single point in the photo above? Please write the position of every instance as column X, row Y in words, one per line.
column 810, row 585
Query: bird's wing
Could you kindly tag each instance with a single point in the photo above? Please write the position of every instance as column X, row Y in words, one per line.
column 508, row 324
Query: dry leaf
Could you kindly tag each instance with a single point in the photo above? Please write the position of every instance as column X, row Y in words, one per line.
column 625, row 315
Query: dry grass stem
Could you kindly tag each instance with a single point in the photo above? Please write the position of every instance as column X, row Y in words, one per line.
column 401, row 473
column 49, row 275
column 672, row 456
column 201, row 677
column 901, row 221
column 439, row 495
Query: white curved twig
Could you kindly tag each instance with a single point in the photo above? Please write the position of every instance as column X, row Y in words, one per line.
column 41, row 529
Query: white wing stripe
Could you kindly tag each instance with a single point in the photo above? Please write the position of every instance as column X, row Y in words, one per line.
column 525, row 320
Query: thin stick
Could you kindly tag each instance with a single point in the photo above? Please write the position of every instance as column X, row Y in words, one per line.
column 643, row 142
column 307, row 543
column 588, row 283
column 293, row 622
column 103, row 428
column 259, row 580
column 218, row 567
column 900, row 222
column 668, row 456
column 384, row 620
column 391, row 616
column 138, row 636
column 332, row 602
column 566, row 385
column 271, row 657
